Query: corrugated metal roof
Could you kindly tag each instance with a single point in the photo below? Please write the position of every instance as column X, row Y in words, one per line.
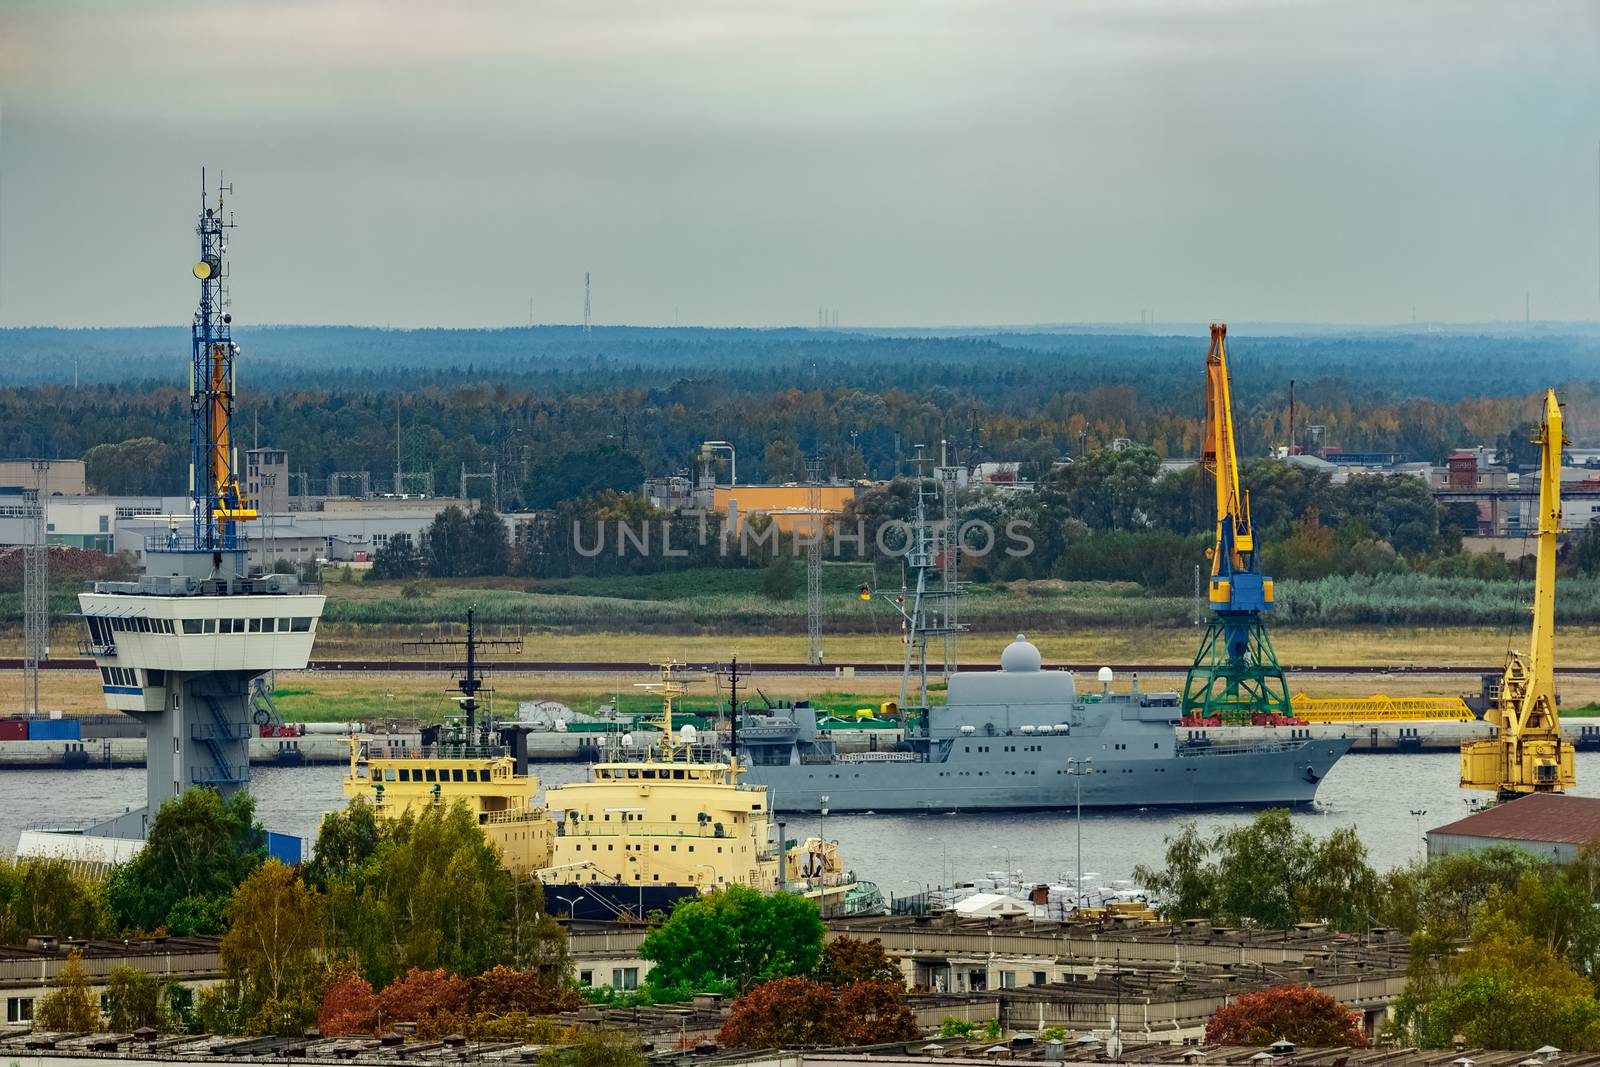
column 1555, row 817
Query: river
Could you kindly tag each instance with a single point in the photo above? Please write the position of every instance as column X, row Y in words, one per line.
column 1375, row 793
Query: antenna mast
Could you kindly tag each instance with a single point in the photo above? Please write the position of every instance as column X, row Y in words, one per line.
column 214, row 486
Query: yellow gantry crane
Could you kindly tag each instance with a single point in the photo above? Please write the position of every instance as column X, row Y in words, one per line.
column 1529, row 754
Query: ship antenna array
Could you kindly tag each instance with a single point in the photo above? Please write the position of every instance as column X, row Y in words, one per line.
column 922, row 557
column 469, row 684
column 670, row 687
column 731, row 673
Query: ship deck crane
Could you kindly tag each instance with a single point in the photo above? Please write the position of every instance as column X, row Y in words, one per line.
column 1235, row 676
column 1529, row 753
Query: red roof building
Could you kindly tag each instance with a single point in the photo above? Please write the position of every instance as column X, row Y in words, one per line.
column 1553, row 826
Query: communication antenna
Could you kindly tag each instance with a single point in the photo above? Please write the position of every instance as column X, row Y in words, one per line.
column 814, row 563
column 470, row 684
column 36, row 586
column 586, row 303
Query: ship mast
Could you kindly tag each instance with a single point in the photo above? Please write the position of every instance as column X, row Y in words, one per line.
column 922, row 558
column 670, row 689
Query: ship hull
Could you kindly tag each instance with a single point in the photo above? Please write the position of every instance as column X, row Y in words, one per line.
column 1270, row 775
column 604, row 902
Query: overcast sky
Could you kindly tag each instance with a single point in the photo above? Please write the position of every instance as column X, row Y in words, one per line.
column 743, row 162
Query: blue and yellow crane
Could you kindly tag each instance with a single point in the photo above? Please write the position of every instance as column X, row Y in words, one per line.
column 1235, row 676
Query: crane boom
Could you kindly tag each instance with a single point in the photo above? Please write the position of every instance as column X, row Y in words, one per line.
column 1529, row 754
column 1221, row 457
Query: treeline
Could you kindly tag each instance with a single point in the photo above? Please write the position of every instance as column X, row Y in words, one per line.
column 562, row 418
column 1505, row 947
column 391, row 907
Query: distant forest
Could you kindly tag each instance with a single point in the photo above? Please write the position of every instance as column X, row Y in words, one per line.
column 566, row 414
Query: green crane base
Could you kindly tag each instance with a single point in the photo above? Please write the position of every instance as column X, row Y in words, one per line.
column 1235, row 676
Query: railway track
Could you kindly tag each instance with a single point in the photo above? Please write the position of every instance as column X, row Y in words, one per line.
column 608, row 667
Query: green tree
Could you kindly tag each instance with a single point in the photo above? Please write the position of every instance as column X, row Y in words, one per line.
column 781, row 578
column 398, row 558
column 273, row 948
column 732, row 939
column 133, row 1000
column 847, row 959
column 429, row 893
column 1267, row 873
column 605, row 1046
column 40, row 895
column 583, row 472
column 69, row 1006
column 138, row 466
column 199, row 847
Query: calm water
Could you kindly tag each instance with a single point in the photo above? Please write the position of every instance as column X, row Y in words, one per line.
column 1375, row 793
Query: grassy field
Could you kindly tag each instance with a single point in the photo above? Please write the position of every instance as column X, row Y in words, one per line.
column 708, row 616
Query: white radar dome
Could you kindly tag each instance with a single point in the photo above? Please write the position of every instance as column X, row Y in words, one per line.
column 686, row 735
column 1105, row 675
column 1021, row 655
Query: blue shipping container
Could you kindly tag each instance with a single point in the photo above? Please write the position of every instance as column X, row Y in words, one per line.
column 53, row 730
column 285, row 848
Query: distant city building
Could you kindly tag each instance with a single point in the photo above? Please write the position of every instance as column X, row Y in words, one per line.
column 87, row 522
column 789, row 506
column 266, row 478
column 66, row 477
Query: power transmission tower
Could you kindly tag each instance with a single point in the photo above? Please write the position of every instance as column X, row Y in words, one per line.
column 492, row 476
column 586, row 303
column 814, row 564
column 35, row 588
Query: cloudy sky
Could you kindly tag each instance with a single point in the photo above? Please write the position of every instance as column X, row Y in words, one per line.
column 743, row 162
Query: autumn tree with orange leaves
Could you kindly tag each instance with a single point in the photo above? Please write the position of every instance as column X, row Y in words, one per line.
column 1295, row 1013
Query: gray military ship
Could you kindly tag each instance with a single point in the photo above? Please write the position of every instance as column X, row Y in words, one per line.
column 1024, row 738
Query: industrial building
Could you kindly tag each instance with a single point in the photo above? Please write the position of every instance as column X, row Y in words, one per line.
column 1552, row 826
column 65, row 476
column 296, row 528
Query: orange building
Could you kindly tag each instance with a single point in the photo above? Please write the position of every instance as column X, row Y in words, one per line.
column 789, row 506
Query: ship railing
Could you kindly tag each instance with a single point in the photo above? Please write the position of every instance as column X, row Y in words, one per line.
column 1197, row 748
column 878, row 757
column 98, row 649
column 373, row 752
column 512, row 815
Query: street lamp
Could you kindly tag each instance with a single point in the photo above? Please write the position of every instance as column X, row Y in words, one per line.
column 711, row 882
column 1422, row 841
column 1078, row 768
column 1007, row 850
column 569, row 902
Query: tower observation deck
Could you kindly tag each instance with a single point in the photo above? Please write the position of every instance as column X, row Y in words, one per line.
column 183, row 647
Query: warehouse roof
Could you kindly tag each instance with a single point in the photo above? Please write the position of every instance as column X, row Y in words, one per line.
column 1559, row 818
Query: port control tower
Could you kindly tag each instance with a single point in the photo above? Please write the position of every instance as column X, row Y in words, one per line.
column 183, row 647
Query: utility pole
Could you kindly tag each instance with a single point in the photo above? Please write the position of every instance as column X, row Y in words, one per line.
column 814, row 563
column 36, row 588
column 586, row 303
